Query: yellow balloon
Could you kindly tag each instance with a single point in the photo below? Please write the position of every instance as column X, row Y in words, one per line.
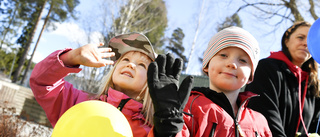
column 92, row 119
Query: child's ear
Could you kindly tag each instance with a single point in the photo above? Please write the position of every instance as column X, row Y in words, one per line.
column 250, row 80
column 206, row 70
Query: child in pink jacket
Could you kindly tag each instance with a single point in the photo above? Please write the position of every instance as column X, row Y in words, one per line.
column 125, row 86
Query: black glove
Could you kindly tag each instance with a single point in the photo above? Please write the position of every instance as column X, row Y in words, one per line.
column 168, row 98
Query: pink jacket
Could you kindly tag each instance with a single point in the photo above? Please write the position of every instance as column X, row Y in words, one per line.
column 55, row 95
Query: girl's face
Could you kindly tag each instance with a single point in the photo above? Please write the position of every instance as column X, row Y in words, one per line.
column 229, row 70
column 297, row 45
column 130, row 74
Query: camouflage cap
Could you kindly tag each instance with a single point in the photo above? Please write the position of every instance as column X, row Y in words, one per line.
column 124, row 43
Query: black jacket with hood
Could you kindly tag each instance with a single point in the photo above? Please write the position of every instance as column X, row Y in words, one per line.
column 279, row 83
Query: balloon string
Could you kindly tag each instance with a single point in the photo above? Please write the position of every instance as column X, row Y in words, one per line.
column 318, row 125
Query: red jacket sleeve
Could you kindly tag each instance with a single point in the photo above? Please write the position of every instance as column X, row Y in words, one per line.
column 51, row 91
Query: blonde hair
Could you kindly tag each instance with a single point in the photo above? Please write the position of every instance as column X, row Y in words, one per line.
column 147, row 108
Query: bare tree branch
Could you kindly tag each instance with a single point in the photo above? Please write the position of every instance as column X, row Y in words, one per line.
column 258, row 3
column 294, row 10
column 312, row 12
column 271, row 13
column 281, row 11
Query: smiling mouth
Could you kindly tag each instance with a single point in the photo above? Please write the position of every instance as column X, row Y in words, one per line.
column 229, row 74
column 127, row 74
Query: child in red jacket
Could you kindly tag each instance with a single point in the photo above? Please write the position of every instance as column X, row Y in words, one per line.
column 220, row 110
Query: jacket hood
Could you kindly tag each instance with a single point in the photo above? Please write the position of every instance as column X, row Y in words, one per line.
column 222, row 100
column 293, row 68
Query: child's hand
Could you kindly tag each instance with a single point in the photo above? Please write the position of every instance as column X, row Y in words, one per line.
column 88, row 55
column 168, row 98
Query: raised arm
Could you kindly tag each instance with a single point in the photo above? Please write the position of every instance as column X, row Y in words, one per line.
column 168, row 97
column 51, row 91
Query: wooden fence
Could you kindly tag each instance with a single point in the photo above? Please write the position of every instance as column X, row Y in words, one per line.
column 22, row 99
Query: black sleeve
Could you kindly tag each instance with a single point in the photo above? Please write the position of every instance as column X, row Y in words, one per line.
column 315, row 120
column 266, row 84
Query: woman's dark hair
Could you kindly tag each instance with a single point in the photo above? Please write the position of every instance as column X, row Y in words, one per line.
column 310, row 66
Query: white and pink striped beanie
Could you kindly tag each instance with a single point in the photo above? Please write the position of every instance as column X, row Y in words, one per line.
column 233, row 37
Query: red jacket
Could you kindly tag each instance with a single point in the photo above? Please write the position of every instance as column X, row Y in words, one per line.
column 55, row 95
column 210, row 114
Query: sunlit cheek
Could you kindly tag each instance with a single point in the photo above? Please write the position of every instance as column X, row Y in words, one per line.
column 114, row 75
column 246, row 71
column 142, row 79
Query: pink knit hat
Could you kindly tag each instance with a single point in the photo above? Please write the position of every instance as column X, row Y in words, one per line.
column 233, row 37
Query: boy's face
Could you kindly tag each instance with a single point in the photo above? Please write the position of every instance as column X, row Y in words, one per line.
column 130, row 74
column 229, row 70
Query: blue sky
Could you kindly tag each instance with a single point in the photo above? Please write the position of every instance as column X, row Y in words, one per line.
column 181, row 13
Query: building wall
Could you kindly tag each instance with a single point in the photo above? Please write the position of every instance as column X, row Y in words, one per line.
column 199, row 81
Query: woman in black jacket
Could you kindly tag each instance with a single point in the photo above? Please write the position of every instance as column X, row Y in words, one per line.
column 288, row 84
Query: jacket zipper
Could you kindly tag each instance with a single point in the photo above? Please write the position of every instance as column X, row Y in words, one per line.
column 237, row 127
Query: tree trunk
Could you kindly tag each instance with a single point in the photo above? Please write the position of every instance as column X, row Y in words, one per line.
column 195, row 37
column 294, row 10
column 36, row 45
column 25, row 52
